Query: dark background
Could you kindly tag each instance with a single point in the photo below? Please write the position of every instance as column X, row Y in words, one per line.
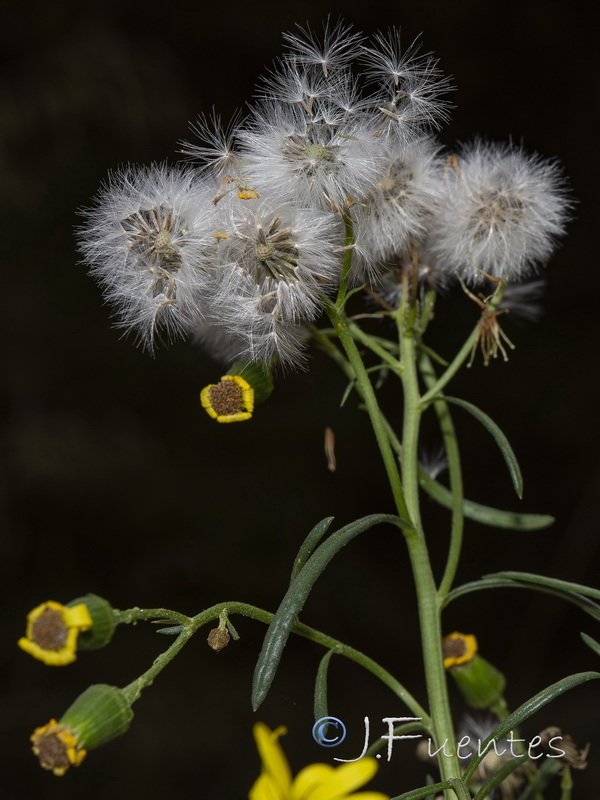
column 116, row 482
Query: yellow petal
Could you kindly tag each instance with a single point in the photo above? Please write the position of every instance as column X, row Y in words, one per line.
column 264, row 789
column 345, row 779
column 274, row 761
column 310, row 778
column 78, row 617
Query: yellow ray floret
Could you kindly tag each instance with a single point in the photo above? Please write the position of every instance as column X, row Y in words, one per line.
column 231, row 400
column 315, row 782
column 56, row 748
column 458, row 648
column 52, row 631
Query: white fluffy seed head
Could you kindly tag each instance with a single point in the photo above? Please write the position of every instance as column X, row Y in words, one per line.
column 217, row 152
column 339, row 45
column 502, row 213
column 319, row 160
column 410, row 87
column 274, row 266
column 396, row 214
column 147, row 241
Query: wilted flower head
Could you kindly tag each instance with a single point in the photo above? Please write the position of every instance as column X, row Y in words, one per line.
column 147, row 241
column 502, row 213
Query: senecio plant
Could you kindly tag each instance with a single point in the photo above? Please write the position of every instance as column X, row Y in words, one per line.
column 334, row 190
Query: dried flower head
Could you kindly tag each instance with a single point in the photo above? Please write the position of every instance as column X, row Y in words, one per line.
column 148, row 241
column 502, row 213
column 274, row 266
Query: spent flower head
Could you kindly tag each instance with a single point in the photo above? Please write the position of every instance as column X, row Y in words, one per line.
column 147, row 241
column 275, row 262
column 502, row 213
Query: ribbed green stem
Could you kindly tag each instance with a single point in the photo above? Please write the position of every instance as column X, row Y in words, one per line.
column 429, row 608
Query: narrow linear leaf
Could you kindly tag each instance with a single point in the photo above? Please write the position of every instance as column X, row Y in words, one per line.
column 551, row 583
column 498, row 581
column 501, row 440
column 500, row 775
column 542, row 778
column 456, row 784
column 528, row 709
column 478, row 586
column 309, row 544
column 595, row 646
column 295, row 597
column 423, row 792
column 486, row 515
column 320, row 703
column 351, row 385
column 170, row 631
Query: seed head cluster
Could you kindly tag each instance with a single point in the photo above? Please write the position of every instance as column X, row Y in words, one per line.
column 239, row 247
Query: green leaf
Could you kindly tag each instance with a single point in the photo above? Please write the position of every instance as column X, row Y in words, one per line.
column 456, row 784
column 320, row 702
column 295, row 597
column 309, row 544
column 551, row 583
column 528, row 709
column 424, row 792
column 494, row 517
column 496, row 779
column 174, row 629
column 477, row 586
column 591, row 643
column 502, row 580
column 541, row 779
column 501, row 440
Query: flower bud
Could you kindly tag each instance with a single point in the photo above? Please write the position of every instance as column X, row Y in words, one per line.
column 233, row 398
column 257, row 374
column 52, row 631
column 218, row 638
column 104, row 622
column 98, row 715
column 479, row 682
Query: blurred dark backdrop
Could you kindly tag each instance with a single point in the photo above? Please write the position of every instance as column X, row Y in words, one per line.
column 114, row 480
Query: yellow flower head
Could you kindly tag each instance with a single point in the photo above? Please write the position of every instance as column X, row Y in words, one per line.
column 315, row 782
column 52, row 631
column 56, row 747
column 458, row 648
column 98, row 715
column 230, row 400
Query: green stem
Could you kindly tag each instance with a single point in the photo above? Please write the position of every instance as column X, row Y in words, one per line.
column 456, row 482
column 429, row 608
column 491, row 304
column 348, row 244
column 191, row 625
column 375, row 347
column 367, row 392
column 452, row 369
